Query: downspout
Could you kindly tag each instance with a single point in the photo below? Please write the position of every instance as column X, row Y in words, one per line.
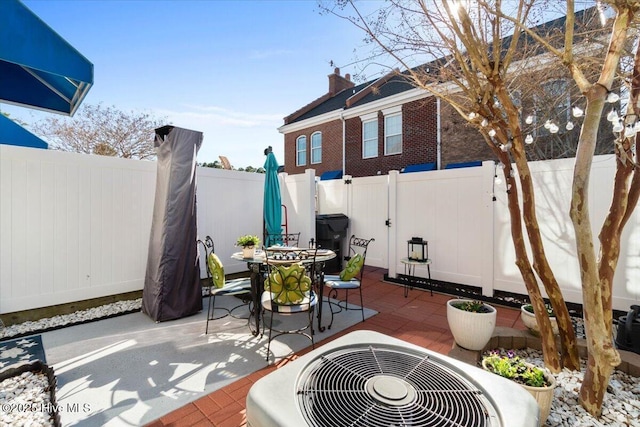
column 344, row 143
column 438, row 136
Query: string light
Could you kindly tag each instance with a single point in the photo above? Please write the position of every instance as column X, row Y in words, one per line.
column 569, row 125
column 612, row 97
column 618, row 127
column 529, row 119
column 472, row 115
column 528, row 139
column 577, row 112
column 613, row 116
column 492, row 133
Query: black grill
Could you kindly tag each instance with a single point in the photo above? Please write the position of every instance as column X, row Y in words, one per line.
column 371, row 386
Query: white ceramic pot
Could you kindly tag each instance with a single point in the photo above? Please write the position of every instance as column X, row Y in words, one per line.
column 529, row 320
column 470, row 330
column 542, row 395
column 248, row 252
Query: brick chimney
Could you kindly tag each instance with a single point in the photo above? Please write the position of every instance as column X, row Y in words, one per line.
column 337, row 83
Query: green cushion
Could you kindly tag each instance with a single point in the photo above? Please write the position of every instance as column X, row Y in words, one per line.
column 288, row 285
column 353, row 267
column 217, row 270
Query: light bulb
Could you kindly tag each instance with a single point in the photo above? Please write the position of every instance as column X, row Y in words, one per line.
column 504, row 147
column 618, row 126
column 492, row 133
column 569, row 125
column 629, row 131
column 529, row 119
column 612, row 97
column 547, row 124
column 612, row 116
column 577, row 112
column 500, row 165
column 484, row 122
column 472, row 115
column 528, row 139
column 554, row 128
column 496, row 104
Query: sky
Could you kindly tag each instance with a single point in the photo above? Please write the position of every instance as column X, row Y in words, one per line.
column 230, row 69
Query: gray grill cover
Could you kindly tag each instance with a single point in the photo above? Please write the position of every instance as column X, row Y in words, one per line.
column 172, row 282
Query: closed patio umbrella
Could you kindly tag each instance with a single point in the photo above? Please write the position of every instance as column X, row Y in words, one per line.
column 272, row 207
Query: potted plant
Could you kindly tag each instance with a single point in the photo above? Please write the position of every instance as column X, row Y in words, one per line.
column 471, row 322
column 248, row 243
column 537, row 381
column 529, row 319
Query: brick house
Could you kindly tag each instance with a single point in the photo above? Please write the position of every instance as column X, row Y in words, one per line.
column 388, row 124
column 379, row 126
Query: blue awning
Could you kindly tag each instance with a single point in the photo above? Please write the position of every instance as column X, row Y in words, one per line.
column 331, row 175
column 39, row 68
column 463, row 165
column 12, row 133
column 420, row 167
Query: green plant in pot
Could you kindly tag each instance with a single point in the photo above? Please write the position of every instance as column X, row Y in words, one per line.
column 248, row 242
column 471, row 322
column 528, row 317
column 537, row 381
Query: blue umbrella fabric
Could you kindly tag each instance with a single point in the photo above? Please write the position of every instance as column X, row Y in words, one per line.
column 272, row 207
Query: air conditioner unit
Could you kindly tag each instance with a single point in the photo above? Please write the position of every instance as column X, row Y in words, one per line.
column 369, row 379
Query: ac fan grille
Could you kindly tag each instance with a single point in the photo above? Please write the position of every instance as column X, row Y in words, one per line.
column 332, row 391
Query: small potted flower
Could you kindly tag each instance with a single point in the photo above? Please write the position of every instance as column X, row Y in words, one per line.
column 471, row 322
column 528, row 317
column 537, row 381
column 248, row 243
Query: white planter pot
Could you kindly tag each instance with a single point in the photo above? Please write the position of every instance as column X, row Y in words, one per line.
column 542, row 395
column 248, row 252
column 470, row 330
column 529, row 320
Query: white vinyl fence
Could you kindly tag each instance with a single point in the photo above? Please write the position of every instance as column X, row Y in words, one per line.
column 469, row 232
column 74, row 227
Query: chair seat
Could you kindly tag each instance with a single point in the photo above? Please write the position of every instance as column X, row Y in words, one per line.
column 337, row 283
column 306, row 303
column 233, row 287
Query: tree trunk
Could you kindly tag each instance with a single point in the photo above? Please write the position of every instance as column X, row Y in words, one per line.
column 603, row 357
column 549, row 348
column 569, row 348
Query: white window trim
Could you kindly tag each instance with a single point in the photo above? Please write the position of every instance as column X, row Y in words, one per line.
column 298, row 151
column 373, row 119
column 311, row 148
column 392, row 110
column 398, row 113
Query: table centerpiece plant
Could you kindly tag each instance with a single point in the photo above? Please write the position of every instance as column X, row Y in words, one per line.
column 248, row 242
column 537, row 381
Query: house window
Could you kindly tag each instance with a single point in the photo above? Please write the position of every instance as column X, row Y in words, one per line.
column 370, row 139
column 316, row 147
column 301, row 151
column 393, row 134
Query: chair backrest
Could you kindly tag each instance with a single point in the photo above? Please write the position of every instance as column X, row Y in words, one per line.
column 290, row 275
column 209, row 249
column 285, row 239
column 358, row 245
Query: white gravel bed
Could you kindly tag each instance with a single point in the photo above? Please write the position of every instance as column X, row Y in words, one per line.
column 25, row 401
column 62, row 320
column 621, row 405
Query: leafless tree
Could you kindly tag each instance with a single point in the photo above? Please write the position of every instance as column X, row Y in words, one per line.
column 480, row 57
column 106, row 131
